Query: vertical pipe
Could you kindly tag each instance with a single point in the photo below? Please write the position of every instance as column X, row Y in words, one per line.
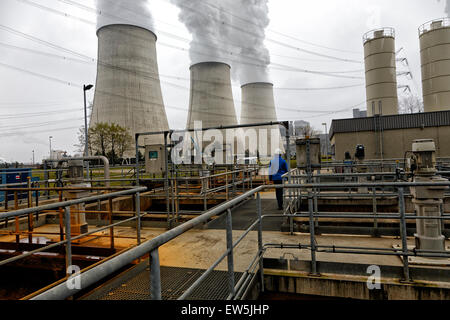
column 312, row 235
column 401, row 200
column 68, row 238
column 260, row 240
column 155, row 276
column 231, row 283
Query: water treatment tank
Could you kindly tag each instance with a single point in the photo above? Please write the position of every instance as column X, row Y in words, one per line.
column 435, row 58
column 381, row 72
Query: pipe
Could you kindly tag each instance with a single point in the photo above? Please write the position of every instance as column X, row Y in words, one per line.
column 102, row 158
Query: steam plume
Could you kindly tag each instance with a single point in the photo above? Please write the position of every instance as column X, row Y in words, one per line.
column 135, row 12
column 221, row 27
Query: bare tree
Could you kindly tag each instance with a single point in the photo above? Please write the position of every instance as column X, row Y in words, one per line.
column 411, row 104
column 308, row 131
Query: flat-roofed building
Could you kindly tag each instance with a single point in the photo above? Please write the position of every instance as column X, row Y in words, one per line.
column 389, row 137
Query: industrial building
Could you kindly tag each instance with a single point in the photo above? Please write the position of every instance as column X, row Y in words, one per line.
column 389, row 137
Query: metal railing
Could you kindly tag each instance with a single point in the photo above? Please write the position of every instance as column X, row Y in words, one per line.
column 373, row 34
column 238, row 290
column 65, row 208
column 439, row 23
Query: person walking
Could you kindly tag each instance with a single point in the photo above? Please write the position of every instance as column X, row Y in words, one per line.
column 277, row 168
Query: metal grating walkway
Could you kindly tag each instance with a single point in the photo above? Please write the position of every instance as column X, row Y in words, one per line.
column 174, row 282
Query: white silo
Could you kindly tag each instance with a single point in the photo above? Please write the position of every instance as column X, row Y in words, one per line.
column 258, row 106
column 381, row 72
column 435, row 58
column 128, row 89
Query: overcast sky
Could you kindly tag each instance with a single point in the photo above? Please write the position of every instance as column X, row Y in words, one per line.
column 32, row 107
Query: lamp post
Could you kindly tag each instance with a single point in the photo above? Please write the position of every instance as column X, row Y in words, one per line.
column 326, row 133
column 33, row 157
column 86, row 137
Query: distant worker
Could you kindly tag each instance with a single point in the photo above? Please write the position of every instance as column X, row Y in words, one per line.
column 278, row 167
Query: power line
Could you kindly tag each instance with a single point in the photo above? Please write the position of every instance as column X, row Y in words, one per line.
column 297, row 110
column 107, row 14
column 94, row 62
column 280, row 67
column 36, row 114
column 277, row 32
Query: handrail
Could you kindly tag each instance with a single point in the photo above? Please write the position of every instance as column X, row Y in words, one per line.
column 92, row 276
column 57, row 205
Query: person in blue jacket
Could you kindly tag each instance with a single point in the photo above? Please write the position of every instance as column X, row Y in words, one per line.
column 277, row 168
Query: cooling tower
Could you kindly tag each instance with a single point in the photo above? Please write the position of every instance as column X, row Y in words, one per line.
column 381, row 74
column 128, row 89
column 212, row 104
column 258, row 106
column 435, row 57
column 211, row 99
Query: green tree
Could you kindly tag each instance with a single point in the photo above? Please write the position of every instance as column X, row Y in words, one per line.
column 109, row 140
column 99, row 138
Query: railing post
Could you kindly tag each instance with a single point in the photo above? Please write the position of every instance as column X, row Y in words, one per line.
column 404, row 235
column 111, row 219
column 30, row 216
column 374, row 207
column 231, row 283
column 155, row 275
column 138, row 214
column 68, row 238
column 260, row 240
column 312, row 235
column 16, row 207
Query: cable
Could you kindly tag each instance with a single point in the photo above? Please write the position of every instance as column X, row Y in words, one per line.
column 40, row 124
column 36, row 114
column 107, row 14
column 70, row 84
column 278, row 66
column 152, row 102
column 15, row 133
column 94, row 62
column 279, row 33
